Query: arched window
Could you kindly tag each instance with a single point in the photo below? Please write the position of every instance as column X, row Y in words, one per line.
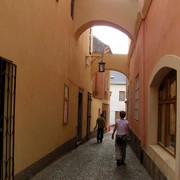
column 167, row 112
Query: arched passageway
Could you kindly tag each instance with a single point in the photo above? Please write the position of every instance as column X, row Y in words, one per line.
column 121, row 15
column 90, row 24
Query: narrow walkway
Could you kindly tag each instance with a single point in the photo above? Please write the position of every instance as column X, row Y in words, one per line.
column 94, row 161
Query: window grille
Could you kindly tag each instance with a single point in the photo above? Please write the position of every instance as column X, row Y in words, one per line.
column 7, row 118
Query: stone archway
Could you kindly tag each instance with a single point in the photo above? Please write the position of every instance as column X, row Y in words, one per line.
column 90, row 24
column 115, row 62
column 121, row 15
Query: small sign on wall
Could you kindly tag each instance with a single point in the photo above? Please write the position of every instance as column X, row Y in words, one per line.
column 66, row 104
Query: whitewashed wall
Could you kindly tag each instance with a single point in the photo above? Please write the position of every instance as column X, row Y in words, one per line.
column 115, row 104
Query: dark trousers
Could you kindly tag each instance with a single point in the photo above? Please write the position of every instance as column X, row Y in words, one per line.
column 100, row 132
column 120, row 150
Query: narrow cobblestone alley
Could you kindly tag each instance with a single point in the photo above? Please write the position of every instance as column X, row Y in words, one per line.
column 94, row 161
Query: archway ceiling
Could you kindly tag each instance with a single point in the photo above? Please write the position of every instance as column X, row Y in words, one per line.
column 121, row 14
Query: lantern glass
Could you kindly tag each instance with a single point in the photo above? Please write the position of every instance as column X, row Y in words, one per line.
column 101, row 67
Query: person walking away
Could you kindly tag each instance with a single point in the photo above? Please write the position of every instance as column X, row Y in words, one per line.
column 121, row 129
column 100, row 124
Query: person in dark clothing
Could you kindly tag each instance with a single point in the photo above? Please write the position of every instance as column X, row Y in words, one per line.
column 100, row 124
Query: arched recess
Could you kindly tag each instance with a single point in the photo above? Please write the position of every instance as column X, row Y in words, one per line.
column 162, row 68
column 164, row 65
column 90, row 24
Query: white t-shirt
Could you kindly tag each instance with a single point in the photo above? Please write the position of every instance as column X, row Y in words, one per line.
column 121, row 124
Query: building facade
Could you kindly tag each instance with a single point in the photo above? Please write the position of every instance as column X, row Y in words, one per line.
column 118, row 95
column 153, row 90
column 46, row 88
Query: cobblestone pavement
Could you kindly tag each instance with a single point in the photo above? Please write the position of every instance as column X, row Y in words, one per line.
column 94, row 161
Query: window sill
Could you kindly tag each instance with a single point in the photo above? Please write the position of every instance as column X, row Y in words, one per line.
column 163, row 159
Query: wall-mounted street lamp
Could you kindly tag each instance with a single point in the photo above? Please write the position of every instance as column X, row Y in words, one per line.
column 102, row 66
column 90, row 59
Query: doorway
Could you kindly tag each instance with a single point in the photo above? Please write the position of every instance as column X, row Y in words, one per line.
column 80, row 116
column 7, row 117
column 89, row 115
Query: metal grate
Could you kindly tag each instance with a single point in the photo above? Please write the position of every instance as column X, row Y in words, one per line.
column 7, row 118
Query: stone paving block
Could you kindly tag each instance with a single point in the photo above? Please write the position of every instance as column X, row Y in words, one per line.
column 94, row 161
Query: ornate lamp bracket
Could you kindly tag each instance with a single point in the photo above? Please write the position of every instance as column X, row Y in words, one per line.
column 91, row 59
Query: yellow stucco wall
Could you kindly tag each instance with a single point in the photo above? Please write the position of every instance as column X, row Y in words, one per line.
column 38, row 37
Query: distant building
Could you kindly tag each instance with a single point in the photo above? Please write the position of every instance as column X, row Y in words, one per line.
column 101, row 85
column 118, row 95
column 100, row 47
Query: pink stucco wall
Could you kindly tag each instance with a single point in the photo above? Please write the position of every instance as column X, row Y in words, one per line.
column 158, row 36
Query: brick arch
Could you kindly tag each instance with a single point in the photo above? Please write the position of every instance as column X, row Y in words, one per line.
column 90, row 24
